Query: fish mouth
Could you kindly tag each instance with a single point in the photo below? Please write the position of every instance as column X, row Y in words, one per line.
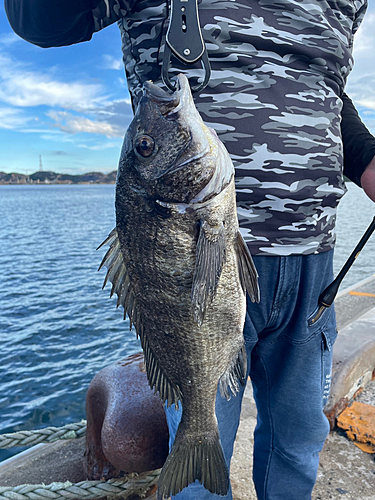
column 166, row 101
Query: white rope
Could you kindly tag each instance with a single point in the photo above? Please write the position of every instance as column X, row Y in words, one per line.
column 47, row 435
column 132, row 484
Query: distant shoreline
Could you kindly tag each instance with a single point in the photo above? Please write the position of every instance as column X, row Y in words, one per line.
column 48, row 177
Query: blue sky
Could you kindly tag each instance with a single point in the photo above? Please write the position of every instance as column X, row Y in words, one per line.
column 71, row 104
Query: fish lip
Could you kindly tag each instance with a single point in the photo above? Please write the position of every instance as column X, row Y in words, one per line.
column 156, row 93
column 166, row 101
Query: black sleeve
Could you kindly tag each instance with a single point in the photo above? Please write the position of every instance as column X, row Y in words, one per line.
column 52, row 23
column 359, row 143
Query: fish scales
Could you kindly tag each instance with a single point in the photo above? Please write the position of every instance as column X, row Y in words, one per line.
column 184, row 272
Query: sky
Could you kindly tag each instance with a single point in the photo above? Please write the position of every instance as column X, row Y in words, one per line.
column 70, row 105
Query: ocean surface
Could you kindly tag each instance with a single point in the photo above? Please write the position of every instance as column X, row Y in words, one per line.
column 57, row 327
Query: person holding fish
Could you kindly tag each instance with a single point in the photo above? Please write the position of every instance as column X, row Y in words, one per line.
column 276, row 100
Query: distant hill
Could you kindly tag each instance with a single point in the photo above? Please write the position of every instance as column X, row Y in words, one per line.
column 55, row 178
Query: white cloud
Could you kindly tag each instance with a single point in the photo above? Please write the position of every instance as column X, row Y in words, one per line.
column 75, row 106
column 73, row 124
column 11, row 118
column 101, row 146
column 122, row 82
column 81, row 142
column 360, row 86
column 38, row 131
column 9, row 39
column 364, row 39
column 22, row 87
column 57, row 136
column 368, row 103
column 110, row 62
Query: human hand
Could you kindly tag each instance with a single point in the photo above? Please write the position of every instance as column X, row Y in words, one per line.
column 368, row 180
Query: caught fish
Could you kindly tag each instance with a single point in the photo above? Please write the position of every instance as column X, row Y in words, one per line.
column 180, row 269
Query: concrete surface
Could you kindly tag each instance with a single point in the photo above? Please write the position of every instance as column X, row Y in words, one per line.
column 41, row 464
column 354, row 302
column 345, row 472
column 353, row 362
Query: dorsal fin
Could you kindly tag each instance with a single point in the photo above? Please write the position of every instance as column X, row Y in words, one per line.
column 118, row 276
column 121, row 285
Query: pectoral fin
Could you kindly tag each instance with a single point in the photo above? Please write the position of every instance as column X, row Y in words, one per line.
column 246, row 267
column 210, row 257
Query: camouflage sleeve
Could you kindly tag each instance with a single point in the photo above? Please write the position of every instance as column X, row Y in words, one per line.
column 359, row 143
column 110, row 11
column 359, row 16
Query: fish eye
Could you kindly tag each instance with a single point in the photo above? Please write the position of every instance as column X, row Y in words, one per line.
column 144, row 145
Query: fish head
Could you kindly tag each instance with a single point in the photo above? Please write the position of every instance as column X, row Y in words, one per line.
column 168, row 151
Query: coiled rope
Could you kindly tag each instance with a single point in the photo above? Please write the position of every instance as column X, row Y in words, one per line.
column 124, row 487
column 47, row 435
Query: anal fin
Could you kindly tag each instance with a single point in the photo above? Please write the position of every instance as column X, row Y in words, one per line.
column 229, row 383
column 157, row 379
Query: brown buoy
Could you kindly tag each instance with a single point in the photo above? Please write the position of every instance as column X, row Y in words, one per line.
column 126, row 425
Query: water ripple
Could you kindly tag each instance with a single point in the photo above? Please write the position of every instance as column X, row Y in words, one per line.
column 57, row 327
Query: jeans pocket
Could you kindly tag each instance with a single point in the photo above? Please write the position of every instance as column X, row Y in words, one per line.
column 316, row 318
column 329, row 334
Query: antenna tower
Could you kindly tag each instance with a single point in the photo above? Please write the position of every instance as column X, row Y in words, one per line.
column 40, row 164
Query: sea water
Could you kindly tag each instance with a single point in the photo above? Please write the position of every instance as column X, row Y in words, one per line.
column 57, row 327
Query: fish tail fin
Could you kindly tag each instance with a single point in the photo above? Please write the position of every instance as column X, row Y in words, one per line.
column 190, row 460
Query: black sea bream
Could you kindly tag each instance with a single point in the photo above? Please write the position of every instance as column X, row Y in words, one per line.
column 181, row 269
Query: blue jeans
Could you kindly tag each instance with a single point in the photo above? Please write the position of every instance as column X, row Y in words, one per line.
column 289, row 364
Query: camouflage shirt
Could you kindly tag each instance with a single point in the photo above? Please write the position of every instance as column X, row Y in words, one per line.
column 279, row 68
